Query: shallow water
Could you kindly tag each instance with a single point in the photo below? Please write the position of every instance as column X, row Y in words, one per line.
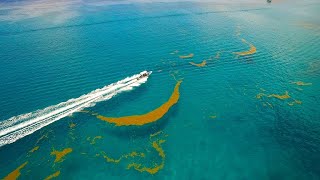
column 250, row 112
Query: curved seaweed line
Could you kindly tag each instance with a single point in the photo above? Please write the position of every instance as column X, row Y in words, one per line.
column 252, row 49
column 149, row 117
column 202, row 64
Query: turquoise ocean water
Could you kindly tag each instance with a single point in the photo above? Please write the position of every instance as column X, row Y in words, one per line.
column 228, row 122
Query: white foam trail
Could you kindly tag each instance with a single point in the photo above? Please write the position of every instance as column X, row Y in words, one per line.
column 20, row 126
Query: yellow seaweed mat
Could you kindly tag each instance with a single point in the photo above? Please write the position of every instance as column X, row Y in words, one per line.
column 204, row 62
column 60, row 154
column 186, row 56
column 278, row 96
column 16, row 173
column 149, row 117
column 152, row 170
column 56, row 174
column 252, row 49
column 138, row 166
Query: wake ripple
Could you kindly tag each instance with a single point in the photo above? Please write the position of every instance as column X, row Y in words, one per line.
column 22, row 125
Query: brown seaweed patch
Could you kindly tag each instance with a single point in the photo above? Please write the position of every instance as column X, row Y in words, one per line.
column 213, row 117
column 34, row 149
column 186, row 56
column 16, row 173
column 93, row 141
column 60, row 154
column 284, row 96
column 204, row 62
column 252, row 49
column 156, row 144
column 150, row 117
column 125, row 156
column 300, row 83
column 152, row 170
column 56, row 174
column 141, row 168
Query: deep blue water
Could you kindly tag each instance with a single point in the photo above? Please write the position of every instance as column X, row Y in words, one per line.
column 50, row 53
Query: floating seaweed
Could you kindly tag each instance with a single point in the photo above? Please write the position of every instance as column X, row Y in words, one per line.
column 278, row 96
column 150, row 117
column 156, row 144
column 16, row 173
column 252, row 49
column 93, row 141
column 152, row 170
column 186, row 56
column 204, row 62
column 125, row 156
column 284, row 96
column 60, row 154
column 56, row 174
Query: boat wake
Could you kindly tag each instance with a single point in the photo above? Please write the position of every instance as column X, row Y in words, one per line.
column 22, row 125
